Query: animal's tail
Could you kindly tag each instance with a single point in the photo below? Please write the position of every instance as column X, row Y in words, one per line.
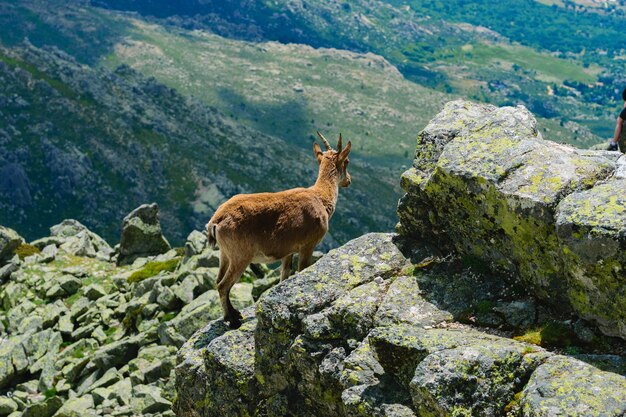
column 211, row 230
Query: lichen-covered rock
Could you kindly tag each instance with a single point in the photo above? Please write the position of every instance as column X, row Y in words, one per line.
column 363, row 333
column 77, row 407
column 75, row 238
column 194, row 383
column 591, row 226
column 141, row 235
column 9, row 241
column 485, row 184
column 7, row 406
column 282, row 310
column 564, row 383
column 196, row 243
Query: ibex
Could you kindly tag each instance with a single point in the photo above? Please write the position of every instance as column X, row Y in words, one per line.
column 267, row 227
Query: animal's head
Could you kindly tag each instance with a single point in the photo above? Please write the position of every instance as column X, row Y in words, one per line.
column 339, row 158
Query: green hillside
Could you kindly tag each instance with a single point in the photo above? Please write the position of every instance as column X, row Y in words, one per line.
column 562, row 64
column 85, row 143
column 288, row 90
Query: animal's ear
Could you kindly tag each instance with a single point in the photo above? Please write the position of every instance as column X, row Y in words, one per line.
column 318, row 152
column 345, row 151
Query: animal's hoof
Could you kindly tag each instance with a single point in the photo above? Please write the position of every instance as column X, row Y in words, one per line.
column 234, row 323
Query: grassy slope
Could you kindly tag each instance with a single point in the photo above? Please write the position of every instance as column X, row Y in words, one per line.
column 289, row 90
column 427, row 41
column 292, row 90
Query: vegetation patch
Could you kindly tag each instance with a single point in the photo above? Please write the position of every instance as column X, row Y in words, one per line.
column 551, row 334
column 25, row 250
column 168, row 316
column 49, row 393
column 153, row 268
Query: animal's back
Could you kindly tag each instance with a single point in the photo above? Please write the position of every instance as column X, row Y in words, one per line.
column 277, row 220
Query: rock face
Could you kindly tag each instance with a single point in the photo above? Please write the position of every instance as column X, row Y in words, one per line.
column 367, row 331
column 141, row 235
column 485, row 184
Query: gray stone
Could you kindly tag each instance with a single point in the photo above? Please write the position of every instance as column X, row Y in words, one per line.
column 80, row 241
column 69, row 283
column 55, row 291
column 79, row 307
column 262, row 285
column 8, row 269
column 403, row 303
column 566, row 385
column 517, row 314
column 231, row 366
column 94, row 292
column 141, row 235
column 117, row 353
column 46, row 241
column 196, row 243
column 122, row 391
column 148, row 399
column 77, row 407
column 65, row 325
column 7, row 406
column 9, row 241
column 167, row 299
column 43, row 409
column 49, row 253
column 52, row 313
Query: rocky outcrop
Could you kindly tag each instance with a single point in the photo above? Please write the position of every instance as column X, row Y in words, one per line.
column 74, row 238
column 485, row 184
column 369, row 331
column 141, row 235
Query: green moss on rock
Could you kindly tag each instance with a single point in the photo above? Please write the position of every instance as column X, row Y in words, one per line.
column 153, row 268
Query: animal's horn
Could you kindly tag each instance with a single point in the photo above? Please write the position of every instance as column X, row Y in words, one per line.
column 326, row 144
column 339, row 144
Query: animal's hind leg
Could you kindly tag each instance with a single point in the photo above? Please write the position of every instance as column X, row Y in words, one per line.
column 224, row 263
column 286, row 267
column 304, row 258
column 231, row 315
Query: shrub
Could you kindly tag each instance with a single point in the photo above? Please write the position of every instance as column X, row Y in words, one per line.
column 25, row 250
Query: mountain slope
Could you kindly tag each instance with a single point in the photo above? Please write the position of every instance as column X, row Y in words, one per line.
column 561, row 64
column 94, row 144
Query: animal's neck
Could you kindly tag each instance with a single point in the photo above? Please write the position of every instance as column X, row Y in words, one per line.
column 327, row 186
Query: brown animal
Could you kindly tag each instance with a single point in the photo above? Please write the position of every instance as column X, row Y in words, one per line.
column 266, row 227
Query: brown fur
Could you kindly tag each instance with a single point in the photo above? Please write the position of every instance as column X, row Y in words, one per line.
column 273, row 226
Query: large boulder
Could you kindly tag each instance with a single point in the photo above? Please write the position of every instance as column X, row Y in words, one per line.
column 364, row 332
column 141, row 235
column 485, row 184
column 9, row 241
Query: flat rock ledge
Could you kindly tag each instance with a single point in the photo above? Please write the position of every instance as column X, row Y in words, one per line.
column 485, row 184
column 365, row 332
